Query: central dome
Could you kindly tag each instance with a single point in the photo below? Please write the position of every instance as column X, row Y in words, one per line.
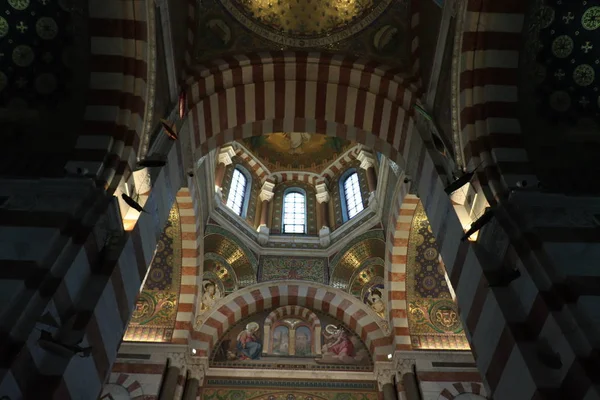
column 305, row 23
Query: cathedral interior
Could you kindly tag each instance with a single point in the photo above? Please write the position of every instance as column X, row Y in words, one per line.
column 299, row 200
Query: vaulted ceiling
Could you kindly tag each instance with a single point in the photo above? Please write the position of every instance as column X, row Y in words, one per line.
column 560, row 93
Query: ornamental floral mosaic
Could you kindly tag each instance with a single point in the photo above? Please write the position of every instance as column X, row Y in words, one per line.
column 303, row 268
column 433, row 317
column 153, row 318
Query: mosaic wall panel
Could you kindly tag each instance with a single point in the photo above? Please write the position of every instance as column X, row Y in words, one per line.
column 282, row 268
column 328, row 345
column 284, row 393
column 234, row 256
column 311, row 203
column 153, row 318
column 254, row 190
column 433, row 318
column 334, row 189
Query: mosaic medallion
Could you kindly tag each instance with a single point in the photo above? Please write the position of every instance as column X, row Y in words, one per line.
column 19, row 4
column 591, row 18
column 46, row 28
column 562, row 46
column 444, row 316
column 584, row 75
column 306, row 23
column 3, row 27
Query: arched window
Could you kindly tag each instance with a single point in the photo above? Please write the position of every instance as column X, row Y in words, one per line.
column 294, row 211
column 352, row 202
column 239, row 191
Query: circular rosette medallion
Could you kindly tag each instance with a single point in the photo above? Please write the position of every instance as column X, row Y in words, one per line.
column 584, row 75
column 444, row 316
column 562, row 46
column 144, row 308
column 591, row 18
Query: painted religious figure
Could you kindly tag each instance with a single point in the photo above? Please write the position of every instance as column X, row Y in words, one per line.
column 374, row 298
column 296, row 141
column 340, row 347
column 303, row 342
column 248, row 345
column 210, row 295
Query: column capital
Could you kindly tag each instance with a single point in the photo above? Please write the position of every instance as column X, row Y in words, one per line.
column 266, row 191
column 177, row 359
column 366, row 158
column 198, row 368
column 322, row 193
column 226, row 153
column 403, row 365
column 384, row 373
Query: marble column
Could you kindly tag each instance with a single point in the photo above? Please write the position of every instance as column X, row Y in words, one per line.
column 323, row 198
column 266, row 195
column 385, row 381
column 226, row 153
column 367, row 162
column 169, row 385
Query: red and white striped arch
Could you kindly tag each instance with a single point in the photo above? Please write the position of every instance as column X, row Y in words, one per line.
column 129, row 384
column 451, row 390
column 254, row 299
column 293, row 311
column 304, row 92
column 489, row 119
column 191, row 268
column 397, row 250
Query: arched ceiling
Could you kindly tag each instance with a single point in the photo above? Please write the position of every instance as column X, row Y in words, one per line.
column 559, row 93
column 233, row 256
column 296, row 150
column 353, row 259
column 43, row 79
column 375, row 29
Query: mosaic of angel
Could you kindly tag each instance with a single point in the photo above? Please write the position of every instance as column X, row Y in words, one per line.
column 210, row 295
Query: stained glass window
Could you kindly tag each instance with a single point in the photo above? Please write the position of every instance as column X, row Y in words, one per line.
column 354, row 203
column 294, row 213
column 237, row 192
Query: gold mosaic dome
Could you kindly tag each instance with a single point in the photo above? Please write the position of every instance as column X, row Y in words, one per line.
column 305, row 23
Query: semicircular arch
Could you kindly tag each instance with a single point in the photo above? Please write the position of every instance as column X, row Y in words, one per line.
column 265, row 296
column 301, row 92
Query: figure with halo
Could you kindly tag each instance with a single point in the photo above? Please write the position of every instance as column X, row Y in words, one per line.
column 248, row 345
column 210, row 295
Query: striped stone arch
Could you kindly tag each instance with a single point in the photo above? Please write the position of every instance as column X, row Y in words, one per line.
column 121, row 385
column 395, row 276
column 452, row 390
column 337, row 95
column 192, row 248
column 264, row 296
column 293, row 311
column 489, row 125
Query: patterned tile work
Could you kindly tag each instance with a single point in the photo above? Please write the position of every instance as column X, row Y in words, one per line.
column 289, row 394
column 115, row 110
column 432, row 314
column 490, row 129
column 340, row 305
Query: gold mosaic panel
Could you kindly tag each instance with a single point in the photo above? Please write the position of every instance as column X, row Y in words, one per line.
column 352, row 260
column 153, row 319
column 233, row 255
column 433, row 318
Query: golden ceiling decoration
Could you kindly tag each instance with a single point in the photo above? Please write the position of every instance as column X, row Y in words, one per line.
column 306, row 23
column 353, row 259
column 233, row 255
